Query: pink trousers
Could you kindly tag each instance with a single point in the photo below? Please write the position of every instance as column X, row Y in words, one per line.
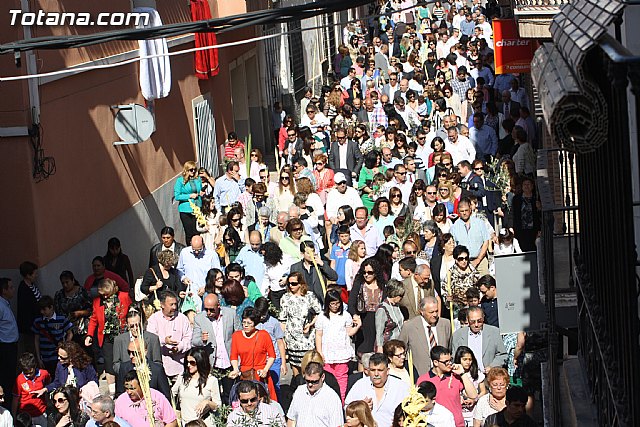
column 341, row 372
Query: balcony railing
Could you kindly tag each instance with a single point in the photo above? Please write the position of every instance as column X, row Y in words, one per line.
column 538, row 5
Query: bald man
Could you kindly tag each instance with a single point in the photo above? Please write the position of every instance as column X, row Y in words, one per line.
column 193, row 265
column 251, row 258
column 212, row 326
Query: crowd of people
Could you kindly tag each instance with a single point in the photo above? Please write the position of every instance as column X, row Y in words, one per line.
column 363, row 270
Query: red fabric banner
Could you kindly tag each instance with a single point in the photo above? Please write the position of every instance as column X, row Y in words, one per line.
column 206, row 60
column 512, row 54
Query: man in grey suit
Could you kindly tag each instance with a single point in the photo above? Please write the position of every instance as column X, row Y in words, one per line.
column 484, row 340
column 345, row 155
column 425, row 332
column 121, row 342
column 392, row 87
column 212, row 325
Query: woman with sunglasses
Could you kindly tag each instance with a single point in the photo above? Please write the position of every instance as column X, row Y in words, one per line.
column 257, row 163
column 290, row 244
column 397, row 206
column 196, row 392
column 65, row 409
column 188, row 188
column 445, row 197
column 298, row 313
column 73, row 359
column 282, row 196
column 252, row 352
column 463, row 276
column 323, row 176
column 365, row 297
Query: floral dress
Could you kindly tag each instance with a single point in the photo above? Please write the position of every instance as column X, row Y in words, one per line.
column 294, row 310
column 65, row 305
column 460, row 282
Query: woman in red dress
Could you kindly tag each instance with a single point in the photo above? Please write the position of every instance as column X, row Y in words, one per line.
column 252, row 352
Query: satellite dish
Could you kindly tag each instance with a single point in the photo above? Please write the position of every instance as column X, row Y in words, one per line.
column 133, row 123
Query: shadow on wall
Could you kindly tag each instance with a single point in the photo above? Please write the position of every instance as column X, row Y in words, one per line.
column 90, row 199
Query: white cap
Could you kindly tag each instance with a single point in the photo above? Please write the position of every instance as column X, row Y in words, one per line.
column 339, row 177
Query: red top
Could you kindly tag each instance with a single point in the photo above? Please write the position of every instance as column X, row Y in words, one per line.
column 448, row 395
column 252, row 353
column 122, row 284
column 228, row 149
column 23, row 388
column 96, row 321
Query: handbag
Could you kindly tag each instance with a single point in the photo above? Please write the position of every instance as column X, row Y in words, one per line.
column 251, row 374
column 361, row 304
column 188, row 304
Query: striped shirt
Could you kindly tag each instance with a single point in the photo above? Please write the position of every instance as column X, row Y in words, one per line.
column 50, row 332
column 228, row 149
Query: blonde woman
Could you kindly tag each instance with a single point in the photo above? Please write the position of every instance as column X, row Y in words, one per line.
column 282, row 196
column 357, row 254
column 257, row 164
column 188, row 188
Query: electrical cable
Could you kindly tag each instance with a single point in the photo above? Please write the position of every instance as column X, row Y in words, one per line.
column 217, row 25
column 79, row 69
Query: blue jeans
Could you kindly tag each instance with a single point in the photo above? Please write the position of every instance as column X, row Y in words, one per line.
column 275, row 375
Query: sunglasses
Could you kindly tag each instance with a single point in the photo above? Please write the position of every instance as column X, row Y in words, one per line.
column 462, row 258
column 431, row 193
column 296, row 229
column 410, row 252
column 192, row 170
column 60, row 400
column 293, row 283
column 191, row 362
column 313, row 382
column 368, row 272
column 247, row 401
column 395, row 196
column 284, row 178
column 443, row 175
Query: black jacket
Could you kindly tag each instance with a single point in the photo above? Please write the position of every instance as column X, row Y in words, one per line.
column 28, row 308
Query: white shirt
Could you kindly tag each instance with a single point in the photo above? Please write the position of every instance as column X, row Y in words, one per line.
column 440, row 416
column 369, row 236
column 342, row 151
column 395, row 269
column 474, row 342
column 6, row 420
column 463, row 149
column 323, row 408
column 335, row 199
column 395, row 390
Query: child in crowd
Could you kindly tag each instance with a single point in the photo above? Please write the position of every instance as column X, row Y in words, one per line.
column 49, row 329
column 472, row 296
column 29, row 390
column 464, row 356
column 339, row 256
column 507, row 243
column 357, row 254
